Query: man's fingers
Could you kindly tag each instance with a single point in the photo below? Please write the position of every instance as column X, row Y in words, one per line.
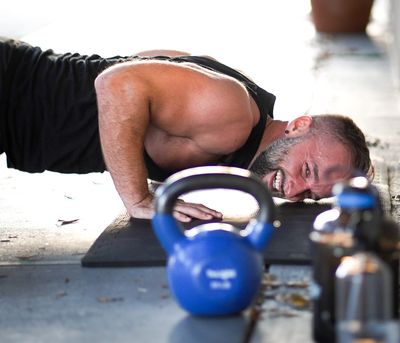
column 207, row 210
column 198, row 211
column 182, row 217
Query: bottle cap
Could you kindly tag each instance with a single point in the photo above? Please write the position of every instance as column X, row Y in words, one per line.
column 356, row 200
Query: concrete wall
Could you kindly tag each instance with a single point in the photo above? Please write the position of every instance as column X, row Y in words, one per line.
column 395, row 39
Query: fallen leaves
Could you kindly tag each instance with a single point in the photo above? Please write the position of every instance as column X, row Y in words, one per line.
column 61, row 294
column 106, row 300
column 285, row 299
column 296, row 300
column 27, row 258
column 8, row 239
column 62, row 222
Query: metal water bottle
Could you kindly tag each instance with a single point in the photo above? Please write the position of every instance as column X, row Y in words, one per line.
column 364, row 286
column 389, row 251
column 363, row 298
column 331, row 240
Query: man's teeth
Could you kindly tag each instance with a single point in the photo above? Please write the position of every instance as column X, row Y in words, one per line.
column 277, row 183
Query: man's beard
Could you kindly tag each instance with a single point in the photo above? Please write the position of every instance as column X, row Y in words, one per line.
column 272, row 157
column 276, row 152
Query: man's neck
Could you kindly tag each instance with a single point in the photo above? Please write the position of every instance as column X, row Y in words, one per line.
column 274, row 129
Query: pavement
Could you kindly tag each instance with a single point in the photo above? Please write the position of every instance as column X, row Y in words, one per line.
column 48, row 221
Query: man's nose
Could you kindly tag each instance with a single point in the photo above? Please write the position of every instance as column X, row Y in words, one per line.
column 296, row 190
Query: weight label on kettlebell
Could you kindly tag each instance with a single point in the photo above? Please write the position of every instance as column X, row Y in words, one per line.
column 221, row 279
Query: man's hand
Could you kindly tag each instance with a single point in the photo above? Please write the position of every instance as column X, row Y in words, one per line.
column 186, row 211
column 183, row 211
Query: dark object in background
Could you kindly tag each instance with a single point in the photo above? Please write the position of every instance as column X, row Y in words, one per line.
column 341, row 16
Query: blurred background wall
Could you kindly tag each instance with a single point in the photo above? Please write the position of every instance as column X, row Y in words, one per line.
column 263, row 38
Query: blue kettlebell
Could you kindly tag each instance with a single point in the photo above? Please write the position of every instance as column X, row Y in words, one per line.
column 214, row 269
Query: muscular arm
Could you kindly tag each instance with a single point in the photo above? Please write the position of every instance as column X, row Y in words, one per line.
column 125, row 97
column 123, row 105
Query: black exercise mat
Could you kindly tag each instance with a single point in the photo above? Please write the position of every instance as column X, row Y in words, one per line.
column 131, row 242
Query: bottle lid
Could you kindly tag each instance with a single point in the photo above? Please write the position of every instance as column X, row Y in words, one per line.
column 356, row 200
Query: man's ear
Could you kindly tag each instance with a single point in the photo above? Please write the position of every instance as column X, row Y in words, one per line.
column 298, row 127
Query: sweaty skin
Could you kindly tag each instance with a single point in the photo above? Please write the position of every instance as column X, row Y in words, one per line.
column 175, row 112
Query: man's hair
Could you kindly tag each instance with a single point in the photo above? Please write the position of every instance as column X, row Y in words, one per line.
column 343, row 129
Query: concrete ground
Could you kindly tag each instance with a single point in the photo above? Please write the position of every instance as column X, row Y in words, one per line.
column 48, row 221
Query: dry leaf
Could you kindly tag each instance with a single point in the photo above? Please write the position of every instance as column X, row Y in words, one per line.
column 61, row 222
column 61, row 294
column 105, row 300
column 27, row 258
column 297, row 283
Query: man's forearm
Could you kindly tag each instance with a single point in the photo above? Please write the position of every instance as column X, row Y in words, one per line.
column 123, row 121
column 128, row 171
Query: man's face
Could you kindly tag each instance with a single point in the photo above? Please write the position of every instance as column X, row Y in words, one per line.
column 306, row 167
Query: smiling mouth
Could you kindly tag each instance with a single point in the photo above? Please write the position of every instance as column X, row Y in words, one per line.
column 277, row 182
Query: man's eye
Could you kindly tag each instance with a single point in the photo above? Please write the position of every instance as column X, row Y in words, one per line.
column 307, row 170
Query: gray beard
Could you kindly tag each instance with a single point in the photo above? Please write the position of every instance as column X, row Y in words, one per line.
column 272, row 157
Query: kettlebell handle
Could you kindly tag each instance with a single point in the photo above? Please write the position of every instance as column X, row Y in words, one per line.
column 200, row 178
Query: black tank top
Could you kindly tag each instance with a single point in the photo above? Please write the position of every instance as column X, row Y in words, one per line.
column 48, row 114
